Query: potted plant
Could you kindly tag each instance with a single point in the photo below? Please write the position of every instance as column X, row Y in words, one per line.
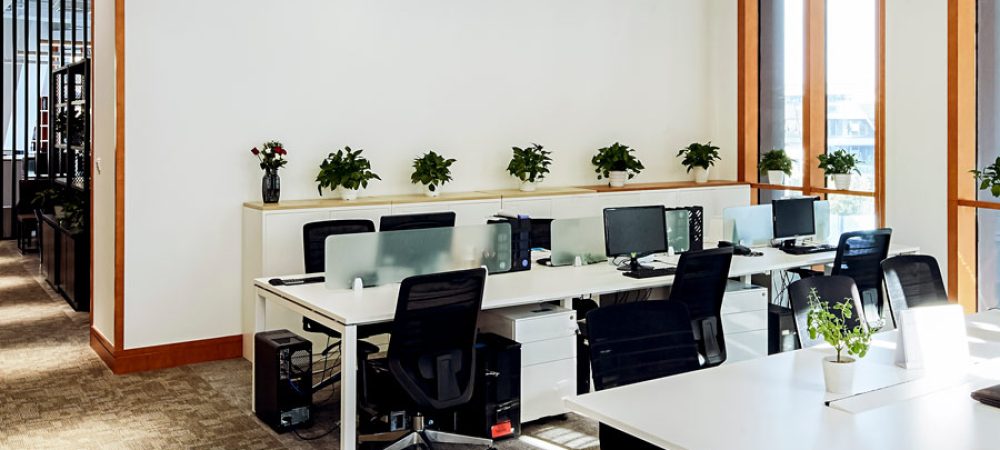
column 839, row 165
column 617, row 163
column 271, row 158
column 699, row 157
column 431, row 170
column 346, row 169
column 989, row 178
column 830, row 322
column 530, row 165
column 777, row 164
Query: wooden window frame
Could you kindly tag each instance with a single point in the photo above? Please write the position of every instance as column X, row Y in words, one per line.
column 813, row 104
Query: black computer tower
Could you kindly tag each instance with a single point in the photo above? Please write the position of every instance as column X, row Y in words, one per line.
column 520, row 241
column 282, row 379
column 495, row 409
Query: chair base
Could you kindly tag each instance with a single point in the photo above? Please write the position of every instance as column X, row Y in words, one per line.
column 419, row 437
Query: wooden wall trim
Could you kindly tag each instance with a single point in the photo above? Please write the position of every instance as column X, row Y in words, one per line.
column 119, row 312
column 962, row 230
column 165, row 356
column 748, row 90
column 814, row 94
column 880, row 149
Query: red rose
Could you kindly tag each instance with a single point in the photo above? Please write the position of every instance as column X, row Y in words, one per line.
column 280, row 151
column 255, row 151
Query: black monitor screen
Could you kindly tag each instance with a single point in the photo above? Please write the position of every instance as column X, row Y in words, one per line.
column 793, row 217
column 639, row 230
column 416, row 221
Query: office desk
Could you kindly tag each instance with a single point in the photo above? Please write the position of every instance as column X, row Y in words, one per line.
column 344, row 310
column 778, row 402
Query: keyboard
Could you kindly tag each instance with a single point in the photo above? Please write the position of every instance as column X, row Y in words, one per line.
column 650, row 273
column 807, row 250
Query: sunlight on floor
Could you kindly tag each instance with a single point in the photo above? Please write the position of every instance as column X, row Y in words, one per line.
column 558, row 438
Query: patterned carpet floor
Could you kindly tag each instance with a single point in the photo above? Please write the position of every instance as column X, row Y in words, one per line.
column 55, row 393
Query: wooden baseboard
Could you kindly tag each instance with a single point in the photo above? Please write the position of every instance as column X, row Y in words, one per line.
column 165, row 356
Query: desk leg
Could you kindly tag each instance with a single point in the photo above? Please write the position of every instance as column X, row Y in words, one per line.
column 259, row 324
column 349, row 387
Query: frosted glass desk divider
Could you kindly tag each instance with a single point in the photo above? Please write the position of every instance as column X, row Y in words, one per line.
column 392, row 256
column 679, row 230
column 578, row 237
column 752, row 225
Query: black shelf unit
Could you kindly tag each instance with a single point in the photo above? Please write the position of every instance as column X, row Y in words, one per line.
column 66, row 246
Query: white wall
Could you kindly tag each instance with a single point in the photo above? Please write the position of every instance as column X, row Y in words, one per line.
column 103, row 65
column 917, row 124
column 205, row 81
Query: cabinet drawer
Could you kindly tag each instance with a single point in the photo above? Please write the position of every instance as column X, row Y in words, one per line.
column 744, row 300
column 744, row 346
column 539, row 352
column 544, row 328
column 745, row 321
column 543, row 387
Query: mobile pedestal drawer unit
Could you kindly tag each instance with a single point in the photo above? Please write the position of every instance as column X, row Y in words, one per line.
column 547, row 334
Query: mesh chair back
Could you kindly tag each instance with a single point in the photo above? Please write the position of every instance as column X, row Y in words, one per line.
column 431, row 351
column 912, row 281
column 859, row 256
column 314, row 236
column 832, row 289
column 700, row 283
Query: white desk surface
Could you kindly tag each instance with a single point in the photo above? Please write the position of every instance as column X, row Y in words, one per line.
column 778, row 402
column 541, row 283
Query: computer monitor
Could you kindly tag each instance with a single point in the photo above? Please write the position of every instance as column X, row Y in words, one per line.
column 793, row 218
column 417, row 221
column 634, row 232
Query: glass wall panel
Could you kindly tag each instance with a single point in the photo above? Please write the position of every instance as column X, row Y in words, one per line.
column 781, row 81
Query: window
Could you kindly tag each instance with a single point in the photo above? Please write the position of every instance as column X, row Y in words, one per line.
column 817, row 80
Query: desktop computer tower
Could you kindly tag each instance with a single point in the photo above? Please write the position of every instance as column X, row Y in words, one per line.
column 520, row 241
column 495, row 409
column 282, row 379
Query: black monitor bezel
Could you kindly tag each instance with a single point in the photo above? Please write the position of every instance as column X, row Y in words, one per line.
column 663, row 218
column 774, row 218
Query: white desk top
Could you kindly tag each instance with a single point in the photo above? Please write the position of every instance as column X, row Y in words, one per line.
column 541, row 283
column 777, row 402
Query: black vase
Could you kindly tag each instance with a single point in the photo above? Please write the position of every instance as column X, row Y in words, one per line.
column 270, row 186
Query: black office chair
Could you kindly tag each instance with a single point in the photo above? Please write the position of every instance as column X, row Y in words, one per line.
column 859, row 256
column 700, row 283
column 431, row 356
column 832, row 289
column 912, row 281
column 634, row 342
column 314, row 236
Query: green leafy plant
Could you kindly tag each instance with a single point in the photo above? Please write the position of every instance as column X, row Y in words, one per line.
column 831, row 323
column 345, row 168
column 617, row 157
column 431, row 170
column 989, row 178
column 699, row 155
column 530, row 163
column 840, row 162
column 74, row 210
column 46, row 199
column 272, row 157
column 776, row 159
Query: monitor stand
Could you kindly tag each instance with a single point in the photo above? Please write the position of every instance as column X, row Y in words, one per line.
column 793, row 243
column 634, row 266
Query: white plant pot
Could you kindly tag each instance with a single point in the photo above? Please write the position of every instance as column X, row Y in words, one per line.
column 839, row 377
column 776, row 177
column 700, row 174
column 617, row 178
column 528, row 186
column 59, row 212
column 348, row 194
column 842, row 181
column 432, row 193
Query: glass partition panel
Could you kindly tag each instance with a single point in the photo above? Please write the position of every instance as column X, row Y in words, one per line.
column 578, row 237
column 823, row 232
column 679, row 230
column 748, row 225
column 391, row 256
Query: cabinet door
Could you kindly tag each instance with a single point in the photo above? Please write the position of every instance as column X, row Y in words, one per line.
column 466, row 212
column 540, row 208
column 67, row 259
column 667, row 198
column 575, row 206
column 282, row 238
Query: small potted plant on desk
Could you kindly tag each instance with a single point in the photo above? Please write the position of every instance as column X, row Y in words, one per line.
column 831, row 323
column 989, row 178
column 839, row 165
column 346, row 169
column 271, row 158
column 777, row 165
column 530, row 165
column 617, row 163
column 431, row 170
column 699, row 158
